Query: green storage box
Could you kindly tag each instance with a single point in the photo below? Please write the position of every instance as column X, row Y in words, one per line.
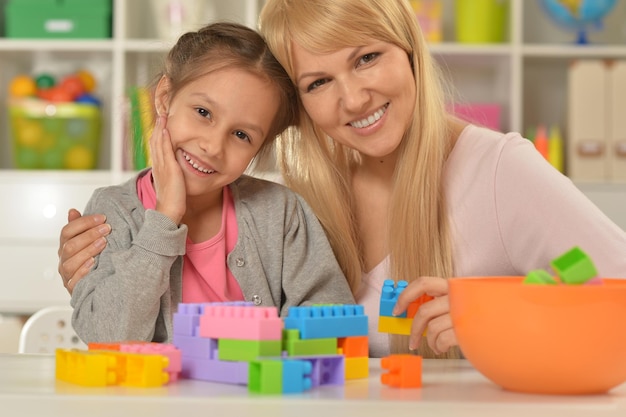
column 47, row 19
column 54, row 135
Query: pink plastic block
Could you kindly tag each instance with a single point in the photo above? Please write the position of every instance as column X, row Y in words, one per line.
column 196, row 347
column 241, row 322
column 229, row 372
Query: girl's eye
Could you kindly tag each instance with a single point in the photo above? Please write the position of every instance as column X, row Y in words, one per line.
column 242, row 135
column 367, row 58
column 204, row 113
column 315, row 84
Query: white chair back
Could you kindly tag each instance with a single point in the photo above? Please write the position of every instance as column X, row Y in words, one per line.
column 48, row 329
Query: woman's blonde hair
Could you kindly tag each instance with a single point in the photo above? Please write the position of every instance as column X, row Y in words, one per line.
column 319, row 168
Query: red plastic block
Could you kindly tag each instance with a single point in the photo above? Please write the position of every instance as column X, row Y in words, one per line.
column 405, row 371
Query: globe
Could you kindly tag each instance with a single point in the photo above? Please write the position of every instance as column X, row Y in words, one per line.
column 578, row 15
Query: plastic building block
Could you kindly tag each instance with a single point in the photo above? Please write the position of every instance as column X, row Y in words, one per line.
column 170, row 351
column 274, row 376
column 90, row 369
column 246, row 322
column 357, row 368
column 196, row 347
column 187, row 318
column 294, row 346
column 539, row 276
column 315, row 322
column 405, row 371
column 326, row 369
column 353, row 346
column 265, row 376
column 389, row 296
column 395, row 325
column 574, row 267
column 416, row 304
column 142, row 370
column 102, row 368
column 214, row 370
column 247, row 350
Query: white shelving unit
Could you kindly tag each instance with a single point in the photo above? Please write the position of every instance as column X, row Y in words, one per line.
column 526, row 75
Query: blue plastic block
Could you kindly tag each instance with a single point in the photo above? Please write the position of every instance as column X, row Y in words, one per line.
column 389, row 297
column 296, row 376
column 315, row 322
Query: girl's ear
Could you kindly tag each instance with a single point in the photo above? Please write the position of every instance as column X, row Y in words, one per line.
column 162, row 96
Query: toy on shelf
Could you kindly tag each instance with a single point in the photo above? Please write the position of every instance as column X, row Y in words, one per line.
column 578, row 15
column 55, row 122
column 548, row 143
column 574, row 267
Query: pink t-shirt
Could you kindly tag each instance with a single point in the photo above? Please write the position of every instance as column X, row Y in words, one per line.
column 206, row 276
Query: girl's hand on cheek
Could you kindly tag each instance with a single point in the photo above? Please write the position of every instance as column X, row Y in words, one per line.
column 169, row 182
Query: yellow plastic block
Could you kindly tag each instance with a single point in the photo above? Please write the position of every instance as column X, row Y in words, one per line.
column 394, row 325
column 90, row 369
column 141, row 370
column 356, row 368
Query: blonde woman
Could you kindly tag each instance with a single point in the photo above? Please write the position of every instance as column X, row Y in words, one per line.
column 403, row 189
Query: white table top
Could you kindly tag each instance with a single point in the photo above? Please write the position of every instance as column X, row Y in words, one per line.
column 450, row 388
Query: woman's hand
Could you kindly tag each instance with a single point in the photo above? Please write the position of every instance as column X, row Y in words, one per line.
column 434, row 314
column 169, row 182
column 82, row 238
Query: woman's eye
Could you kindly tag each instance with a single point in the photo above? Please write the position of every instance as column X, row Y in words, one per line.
column 204, row 113
column 315, row 84
column 242, row 135
column 367, row 58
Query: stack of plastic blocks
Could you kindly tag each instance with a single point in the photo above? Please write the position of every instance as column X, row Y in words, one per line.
column 99, row 368
column 400, row 324
column 239, row 343
column 333, row 329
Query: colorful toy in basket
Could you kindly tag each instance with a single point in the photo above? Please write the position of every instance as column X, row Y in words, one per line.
column 55, row 124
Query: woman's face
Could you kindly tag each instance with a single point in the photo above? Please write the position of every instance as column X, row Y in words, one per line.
column 363, row 97
column 217, row 124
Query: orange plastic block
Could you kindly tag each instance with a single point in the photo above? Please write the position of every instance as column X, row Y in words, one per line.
column 356, row 368
column 416, row 304
column 405, row 371
column 353, row 346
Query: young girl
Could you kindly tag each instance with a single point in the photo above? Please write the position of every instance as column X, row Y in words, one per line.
column 192, row 228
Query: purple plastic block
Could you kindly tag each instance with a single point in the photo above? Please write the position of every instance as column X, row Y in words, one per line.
column 187, row 318
column 228, row 372
column 327, row 369
column 196, row 347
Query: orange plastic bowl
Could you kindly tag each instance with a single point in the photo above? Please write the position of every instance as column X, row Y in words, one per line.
column 542, row 339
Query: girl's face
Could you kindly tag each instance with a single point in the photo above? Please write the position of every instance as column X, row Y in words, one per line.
column 363, row 97
column 217, row 124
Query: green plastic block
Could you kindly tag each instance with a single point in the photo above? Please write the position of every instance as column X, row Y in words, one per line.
column 539, row 276
column 294, row 346
column 574, row 267
column 265, row 376
column 247, row 350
